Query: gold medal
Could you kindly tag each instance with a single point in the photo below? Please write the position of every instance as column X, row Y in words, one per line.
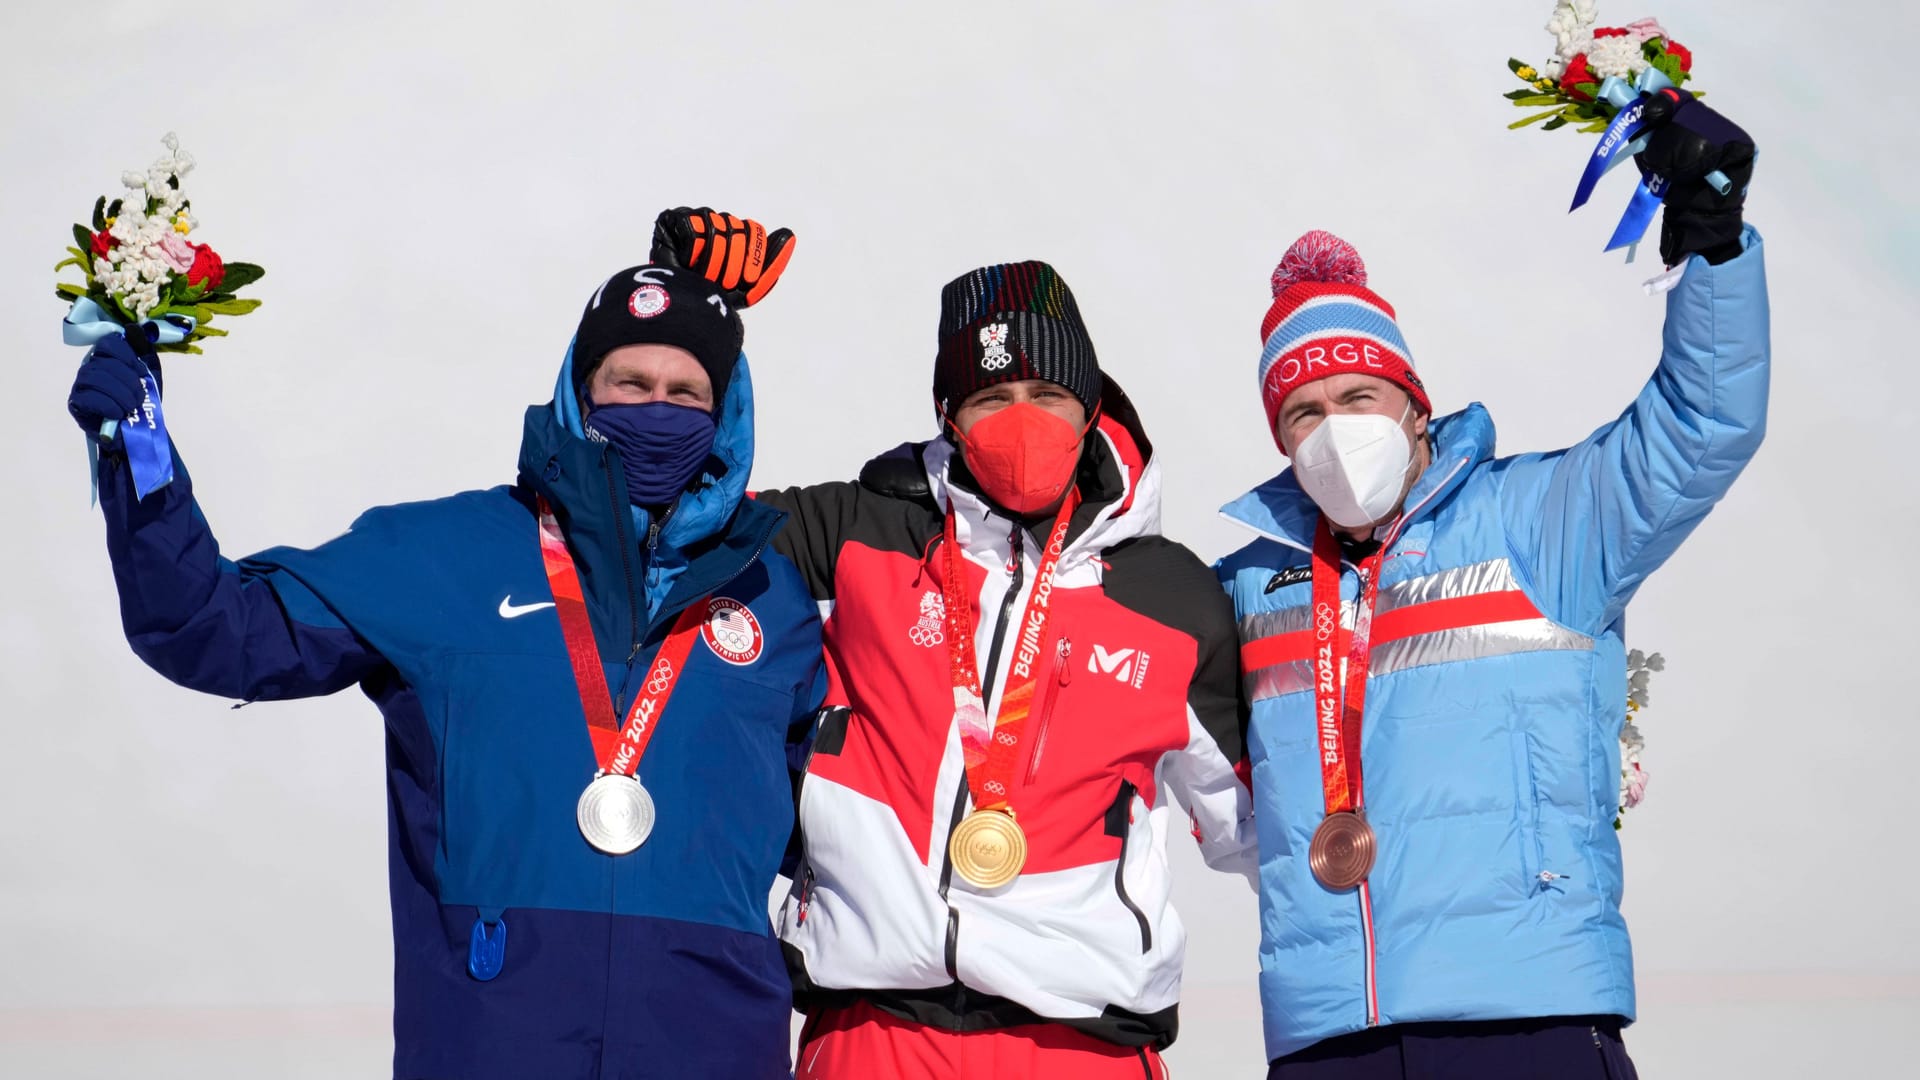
column 988, row 848
column 1341, row 854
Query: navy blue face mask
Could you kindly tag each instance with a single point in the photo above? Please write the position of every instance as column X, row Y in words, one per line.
column 661, row 446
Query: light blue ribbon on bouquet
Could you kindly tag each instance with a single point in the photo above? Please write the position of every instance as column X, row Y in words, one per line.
column 1625, row 137
column 149, row 451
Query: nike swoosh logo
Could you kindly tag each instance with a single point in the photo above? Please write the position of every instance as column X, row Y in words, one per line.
column 510, row 610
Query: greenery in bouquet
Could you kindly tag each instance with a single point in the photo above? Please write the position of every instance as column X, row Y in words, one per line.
column 1567, row 87
column 140, row 266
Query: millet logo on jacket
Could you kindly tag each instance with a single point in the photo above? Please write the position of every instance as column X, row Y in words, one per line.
column 1127, row 666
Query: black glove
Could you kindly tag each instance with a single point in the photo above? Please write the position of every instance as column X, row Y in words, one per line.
column 1688, row 140
column 738, row 254
column 108, row 386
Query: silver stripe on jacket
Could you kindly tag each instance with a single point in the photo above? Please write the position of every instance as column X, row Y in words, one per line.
column 1439, row 647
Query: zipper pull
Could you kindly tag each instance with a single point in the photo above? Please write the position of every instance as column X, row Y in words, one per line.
column 1061, row 656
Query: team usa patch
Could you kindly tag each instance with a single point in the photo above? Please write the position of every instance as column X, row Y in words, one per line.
column 647, row 301
column 732, row 632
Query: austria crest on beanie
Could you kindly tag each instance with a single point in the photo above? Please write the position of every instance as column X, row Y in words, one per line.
column 659, row 305
column 1009, row 322
column 1325, row 321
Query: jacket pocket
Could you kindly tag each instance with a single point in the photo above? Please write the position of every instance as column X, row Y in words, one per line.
column 1063, row 673
column 1526, row 814
column 1120, row 824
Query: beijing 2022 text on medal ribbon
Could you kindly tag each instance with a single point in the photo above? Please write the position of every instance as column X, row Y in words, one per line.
column 1343, row 848
column 989, row 849
column 615, row 812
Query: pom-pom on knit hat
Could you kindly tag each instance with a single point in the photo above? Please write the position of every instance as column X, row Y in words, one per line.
column 1325, row 321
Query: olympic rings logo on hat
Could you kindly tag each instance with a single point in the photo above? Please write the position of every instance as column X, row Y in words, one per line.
column 993, row 338
column 648, row 300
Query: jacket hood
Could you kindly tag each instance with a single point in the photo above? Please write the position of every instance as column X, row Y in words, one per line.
column 710, row 502
column 711, row 533
column 1281, row 511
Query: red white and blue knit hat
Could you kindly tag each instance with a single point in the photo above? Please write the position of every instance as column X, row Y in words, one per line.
column 1325, row 321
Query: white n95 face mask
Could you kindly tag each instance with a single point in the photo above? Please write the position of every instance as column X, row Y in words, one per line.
column 1354, row 467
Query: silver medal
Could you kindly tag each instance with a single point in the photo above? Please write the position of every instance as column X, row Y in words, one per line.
column 615, row 813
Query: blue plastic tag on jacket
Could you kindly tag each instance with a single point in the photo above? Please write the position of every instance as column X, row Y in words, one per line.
column 487, row 948
column 149, row 451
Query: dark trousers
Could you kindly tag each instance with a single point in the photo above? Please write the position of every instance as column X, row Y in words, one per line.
column 1553, row 1048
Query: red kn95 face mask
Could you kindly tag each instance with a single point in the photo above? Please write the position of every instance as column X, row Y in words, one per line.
column 1023, row 456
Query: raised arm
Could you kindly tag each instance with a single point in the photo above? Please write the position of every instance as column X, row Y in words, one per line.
column 197, row 618
column 1589, row 523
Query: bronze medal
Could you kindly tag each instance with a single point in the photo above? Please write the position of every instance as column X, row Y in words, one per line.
column 1342, row 851
column 988, row 848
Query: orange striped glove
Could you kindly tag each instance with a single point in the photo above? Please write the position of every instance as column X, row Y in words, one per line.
column 735, row 253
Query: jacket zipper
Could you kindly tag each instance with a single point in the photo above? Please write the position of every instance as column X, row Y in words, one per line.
column 1063, row 667
column 626, row 562
column 1123, row 811
column 1370, row 989
column 960, row 796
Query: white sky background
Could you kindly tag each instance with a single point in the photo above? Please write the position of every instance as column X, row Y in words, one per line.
column 436, row 190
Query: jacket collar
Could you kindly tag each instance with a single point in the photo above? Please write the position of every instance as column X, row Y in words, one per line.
column 712, row 535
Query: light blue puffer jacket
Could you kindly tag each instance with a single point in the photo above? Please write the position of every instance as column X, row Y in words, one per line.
column 1495, row 700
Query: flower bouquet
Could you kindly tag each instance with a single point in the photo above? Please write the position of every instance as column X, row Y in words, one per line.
column 1599, row 81
column 146, row 280
column 1633, row 776
column 141, row 269
column 1568, row 86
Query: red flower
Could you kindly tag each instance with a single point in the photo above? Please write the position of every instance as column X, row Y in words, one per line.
column 103, row 242
column 1610, row 31
column 207, row 268
column 1681, row 53
column 1577, row 73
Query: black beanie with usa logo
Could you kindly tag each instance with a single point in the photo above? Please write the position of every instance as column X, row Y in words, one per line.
column 659, row 305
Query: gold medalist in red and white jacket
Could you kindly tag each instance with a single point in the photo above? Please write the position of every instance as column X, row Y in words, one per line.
column 1137, row 694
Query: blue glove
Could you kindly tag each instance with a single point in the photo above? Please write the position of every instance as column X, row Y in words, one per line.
column 108, row 386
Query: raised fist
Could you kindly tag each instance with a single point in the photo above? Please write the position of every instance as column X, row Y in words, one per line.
column 1687, row 143
column 108, row 386
column 735, row 253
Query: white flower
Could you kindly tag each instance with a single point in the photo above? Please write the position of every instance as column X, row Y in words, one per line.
column 1615, row 56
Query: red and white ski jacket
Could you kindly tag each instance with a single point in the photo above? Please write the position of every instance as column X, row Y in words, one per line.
column 1137, row 694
